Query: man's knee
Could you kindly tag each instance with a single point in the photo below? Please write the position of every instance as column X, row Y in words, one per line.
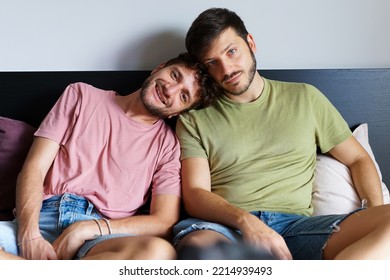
column 193, row 245
column 203, row 238
column 158, row 248
column 133, row 247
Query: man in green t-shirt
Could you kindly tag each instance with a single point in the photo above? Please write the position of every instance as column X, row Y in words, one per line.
column 248, row 161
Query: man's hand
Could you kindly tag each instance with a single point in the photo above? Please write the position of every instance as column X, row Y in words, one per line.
column 255, row 232
column 73, row 237
column 37, row 249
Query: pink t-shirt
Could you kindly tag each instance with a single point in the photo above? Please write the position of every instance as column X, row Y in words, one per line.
column 107, row 157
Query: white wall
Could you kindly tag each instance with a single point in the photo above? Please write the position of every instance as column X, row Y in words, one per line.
column 70, row 35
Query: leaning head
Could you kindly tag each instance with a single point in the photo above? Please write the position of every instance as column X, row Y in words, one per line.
column 170, row 91
column 208, row 26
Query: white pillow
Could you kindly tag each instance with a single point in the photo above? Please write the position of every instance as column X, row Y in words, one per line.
column 333, row 191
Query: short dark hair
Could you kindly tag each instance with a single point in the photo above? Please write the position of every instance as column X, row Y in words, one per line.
column 209, row 90
column 208, row 26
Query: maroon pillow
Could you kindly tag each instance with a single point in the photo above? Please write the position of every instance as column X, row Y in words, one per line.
column 15, row 141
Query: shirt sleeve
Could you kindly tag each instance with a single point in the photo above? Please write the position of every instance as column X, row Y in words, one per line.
column 59, row 122
column 190, row 141
column 331, row 128
column 166, row 179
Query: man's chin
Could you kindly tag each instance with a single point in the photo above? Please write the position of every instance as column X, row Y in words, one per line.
column 157, row 112
column 235, row 91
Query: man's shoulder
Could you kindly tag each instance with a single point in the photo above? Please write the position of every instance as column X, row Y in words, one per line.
column 85, row 90
column 302, row 86
column 84, row 87
column 199, row 113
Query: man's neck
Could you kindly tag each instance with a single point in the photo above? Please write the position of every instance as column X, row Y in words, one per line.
column 134, row 108
column 252, row 93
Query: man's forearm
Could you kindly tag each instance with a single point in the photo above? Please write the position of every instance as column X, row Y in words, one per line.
column 29, row 188
column 367, row 182
column 211, row 207
column 28, row 204
column 141, row 225
column 164, row 213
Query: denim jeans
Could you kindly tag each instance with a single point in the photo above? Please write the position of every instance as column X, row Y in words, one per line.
column 57, row 213
column 304, row 236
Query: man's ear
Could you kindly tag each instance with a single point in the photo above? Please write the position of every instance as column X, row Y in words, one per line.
column 158, row 68
column 251, row 42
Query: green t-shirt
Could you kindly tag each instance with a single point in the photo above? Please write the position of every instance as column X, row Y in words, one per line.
column 262, row 154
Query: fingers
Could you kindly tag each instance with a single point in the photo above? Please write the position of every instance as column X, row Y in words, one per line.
column 273, row 242
column 39, row 250
column 278, row 249
column 67, row 245
column 282, row 253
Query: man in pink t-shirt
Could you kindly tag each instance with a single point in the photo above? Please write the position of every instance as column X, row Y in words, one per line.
column 96, row 159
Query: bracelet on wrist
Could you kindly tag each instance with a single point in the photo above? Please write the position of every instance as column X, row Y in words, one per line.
column 100, row 227
column 108, row 225
column 29, row 240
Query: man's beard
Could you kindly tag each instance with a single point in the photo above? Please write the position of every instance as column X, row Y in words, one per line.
column 152, row 109
column 251, row 75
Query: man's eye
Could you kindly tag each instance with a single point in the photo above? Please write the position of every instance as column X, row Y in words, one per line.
column 210, row 63
column 174, row 75
column 232, row 51
column 184, row 97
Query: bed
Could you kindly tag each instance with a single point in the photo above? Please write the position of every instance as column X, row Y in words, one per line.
column 361, row 95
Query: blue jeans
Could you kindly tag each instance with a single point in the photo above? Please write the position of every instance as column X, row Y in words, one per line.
column 305, row 236
column 57, row 213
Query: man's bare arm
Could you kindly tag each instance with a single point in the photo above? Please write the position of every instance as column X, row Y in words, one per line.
column 363, row 171
column 29, row 191
column 200, row 202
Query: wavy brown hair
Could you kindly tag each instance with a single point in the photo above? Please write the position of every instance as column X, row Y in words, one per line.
column 209, row 90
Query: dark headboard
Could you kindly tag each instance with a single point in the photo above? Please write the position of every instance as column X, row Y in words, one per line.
column 361, row 96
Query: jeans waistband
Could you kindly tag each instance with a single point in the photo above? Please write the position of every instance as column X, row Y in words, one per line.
column 70, row 200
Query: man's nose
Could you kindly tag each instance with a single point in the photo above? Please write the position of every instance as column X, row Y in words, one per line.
column 172, row 88
column 225, row 68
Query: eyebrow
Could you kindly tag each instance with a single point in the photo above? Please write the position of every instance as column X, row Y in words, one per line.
column 222, row 52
